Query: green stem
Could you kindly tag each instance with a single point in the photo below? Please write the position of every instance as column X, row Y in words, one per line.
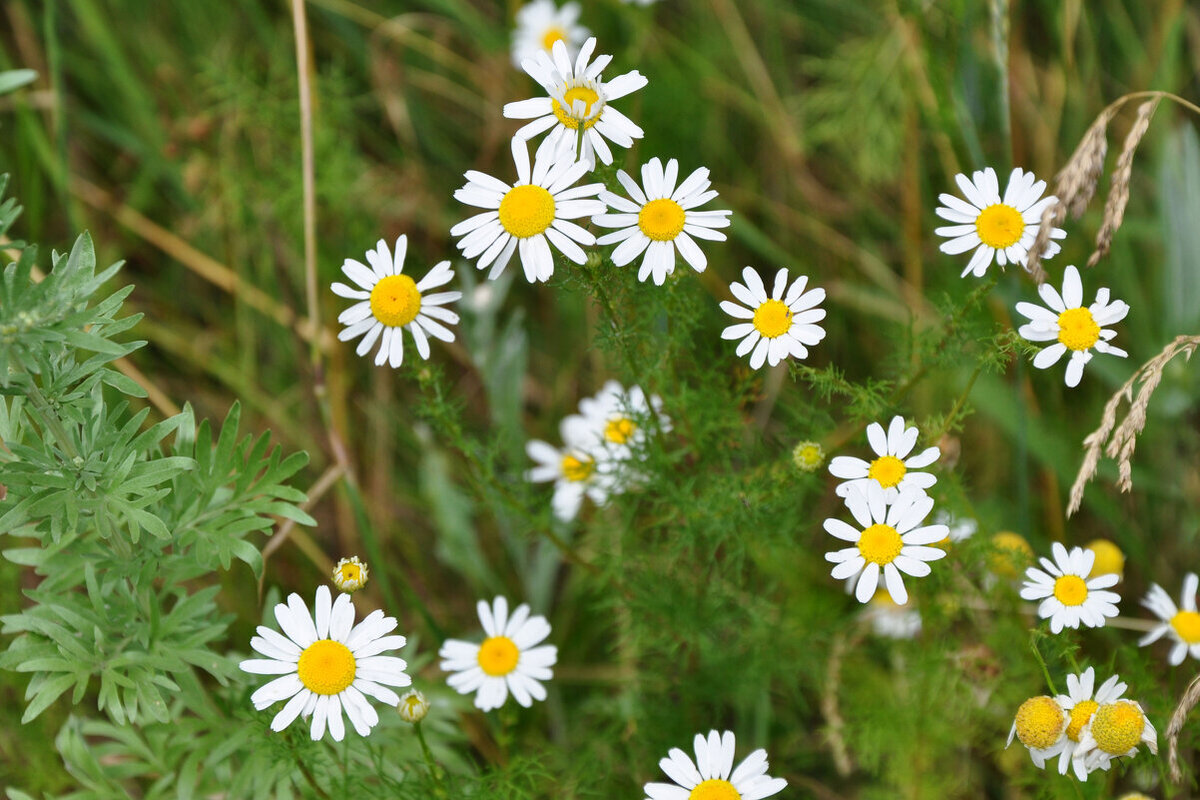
column 1033, row 634
column 958, row 404
column 49, row 419
column 435, row 771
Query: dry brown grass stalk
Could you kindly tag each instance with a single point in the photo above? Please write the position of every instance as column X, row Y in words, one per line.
column 1118, row 194
column 1122, row 440
column 1178, row 717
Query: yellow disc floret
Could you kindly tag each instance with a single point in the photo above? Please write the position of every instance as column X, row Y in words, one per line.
column 888, row 470
column 714, row 789
column 1109, row 558
column 498, row 656
column 1080, row 715
column 662, row 220
column 880, row 544
column 1071, row 590
column 1187, row 626
column 1040, row 722
column 1000, row 226
column 526, row 210
column 808, row 456
column 577, row 469
column 619, row 430
column 395, row 300
column 350, row 574
column 1011, row 554
column 1077, row 329
column 1117, row 727
column 773, row 318
column 326, row 667
column 553, row 34
column 567, row 115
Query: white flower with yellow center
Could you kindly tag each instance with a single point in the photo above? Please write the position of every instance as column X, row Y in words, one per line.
column 892, row 469
column 1041, row 725
column 776, row 326
column 712, row 775
column 891, row 540
column 1071, row 325
column 1000, row 229
column 327, row 666
column 808, row 456
column 661, row 219
column 579, row 468
column 577, row 111
column 1067, row 595
column 412, row 706
column 890, row 620
column 350, row 574
column 506, row 661
column 1114, row 730
column 529, row 216
column 392, row 301
column 620, row 418
column 540, row 24
column 1080, row 704
column 1182, row 621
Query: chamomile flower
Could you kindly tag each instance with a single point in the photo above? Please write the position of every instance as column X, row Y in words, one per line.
column 661, row 219
column 712, row 775
column 999, row 229
column 529, row 216
column 891, row 540
column 540, row 24
column 1071, row 325
column 776, row 326
column 391, row 301
column 1182, row 621
column 1067, row 595
column 350, row 574
column 327, row 666
column 578, row 469
column 576, row 111
column 1080, row 704
column 412, row 706
column 892, row 469
column 1040, row 724
column 619, row 418
column 508, row 660
column 1010, row 556
column 890, row 620
column 1115, row 730
column 959, row 529
column 808, row 456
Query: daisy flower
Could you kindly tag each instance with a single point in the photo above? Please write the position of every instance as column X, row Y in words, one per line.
column 999, row 229
column 712, row 775
column 1067, row 596
column 892, row 468
column 1040, row 724
column 540, row 24
column 890, row 620
column 959, row 529
column 1080, row 704
column 892, row 540
column 1182, row 623
column 391, row 301
column 412, row 706
column 1071, row 325
column 350, row 574
column 808, row 456
column 327, row 666
column 506, row 661
column 579, row 468
column 528, row 216
column 1115, row 730
column 577, row 112
column 661, row 219
column 618, row 418
column 774, row 327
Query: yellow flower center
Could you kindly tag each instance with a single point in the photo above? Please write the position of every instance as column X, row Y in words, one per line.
column 1070, row 590
column 553, row 34
column 1118, row 727
column 1077, row 329
column 350, row 573
column 1080, row 714
column 1000, row 226
column 577, row 469
column 1109, row 558
column 1040, row 722
column 773, row 318
column 395, row 300
column 661, row 220
column 620, row 430
column 888, row 470
column 498, row 655
column 1011, row 554
column 808, row 456
column 714, row 789
column 1187, row 625
column 880, row 544
column 567, row 115
column 326, row 667
column 526, row 211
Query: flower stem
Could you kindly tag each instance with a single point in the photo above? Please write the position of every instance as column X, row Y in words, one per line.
column 435, row 771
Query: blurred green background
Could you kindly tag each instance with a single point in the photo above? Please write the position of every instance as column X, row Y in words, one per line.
column 170, row 130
